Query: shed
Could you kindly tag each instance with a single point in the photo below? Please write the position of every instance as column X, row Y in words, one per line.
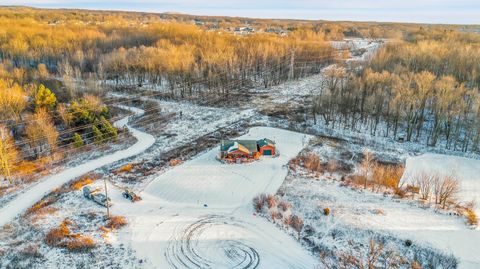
column 266, row 147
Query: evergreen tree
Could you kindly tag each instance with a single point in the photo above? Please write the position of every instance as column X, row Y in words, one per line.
column 77, row 140
column 109, row 132
column 97, row 135
column 44, row 98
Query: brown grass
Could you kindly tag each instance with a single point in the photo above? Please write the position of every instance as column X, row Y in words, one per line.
column 175, row 162
column 56, row 237
column 472, row 218
column 312, row 163
column 126, row 168
column 271, row 201
column 81, row 243
column 78, row 184
column 62, row 237
column 116, row 222
column 41, row 204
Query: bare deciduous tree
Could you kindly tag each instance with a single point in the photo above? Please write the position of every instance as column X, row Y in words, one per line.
column 8, row 153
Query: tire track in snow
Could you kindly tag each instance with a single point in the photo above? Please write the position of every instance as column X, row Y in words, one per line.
column 185, row 248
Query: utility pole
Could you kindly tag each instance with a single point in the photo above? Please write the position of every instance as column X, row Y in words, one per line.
column 106, row 195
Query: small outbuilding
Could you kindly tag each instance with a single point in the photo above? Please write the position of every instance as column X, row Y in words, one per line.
column 266, row 147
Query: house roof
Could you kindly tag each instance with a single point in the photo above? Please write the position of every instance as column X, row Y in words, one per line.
column 250, row 145
column 236, row 146
column 265, row 142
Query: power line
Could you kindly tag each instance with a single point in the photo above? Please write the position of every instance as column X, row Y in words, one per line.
column 38, row 153
column 141, row 96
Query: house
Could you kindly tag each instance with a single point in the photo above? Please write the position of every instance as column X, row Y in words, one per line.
column 246, row 149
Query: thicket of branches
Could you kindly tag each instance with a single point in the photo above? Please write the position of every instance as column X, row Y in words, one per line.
column 422, row 90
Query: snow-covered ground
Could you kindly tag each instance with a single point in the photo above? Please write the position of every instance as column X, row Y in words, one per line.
column 356, row 214
column 465, row 169
column 23, row 201
column 199, row 214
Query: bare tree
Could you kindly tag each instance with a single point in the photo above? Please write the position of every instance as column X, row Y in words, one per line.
column 8, row 152
column 445, row 188
column 366, row 166
column 424, row 182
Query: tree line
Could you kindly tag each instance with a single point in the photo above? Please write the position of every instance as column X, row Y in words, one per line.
column 424, row 90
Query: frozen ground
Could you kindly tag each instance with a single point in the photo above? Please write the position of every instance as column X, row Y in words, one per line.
column 23, row 201
column 465, row 169
column 199, row 214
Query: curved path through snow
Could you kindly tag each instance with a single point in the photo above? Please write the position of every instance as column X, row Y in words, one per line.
column 25, row 200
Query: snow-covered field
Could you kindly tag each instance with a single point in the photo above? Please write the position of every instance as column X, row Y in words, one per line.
column 356, row 214
column 199, row 214
column 465, row 169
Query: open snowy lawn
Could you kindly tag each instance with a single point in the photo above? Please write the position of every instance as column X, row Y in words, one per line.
column 205, row 180
column 172, row 228
column 465, row 169
column 409, row 221
column 358, row 210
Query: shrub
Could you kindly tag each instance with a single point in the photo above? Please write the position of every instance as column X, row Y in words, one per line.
column 175, row 162
column 326, row 211
column 56, row 236
column 471, row 217
column 78, row 184
column 116, row 222
column 312, row 163
column 271, row 201
column 332, row 166
column 259, row 201
column 296, row 223
column 284, row 205
column 126, row 168
column 81, row 243
column 41, row 204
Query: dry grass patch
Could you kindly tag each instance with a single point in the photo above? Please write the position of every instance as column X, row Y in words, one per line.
column 41, row 205
column 472, row 218
column 63, row 237
column 116, row 222
column 126, row 168
column 81, row 243
column 56, row 237
column 78, row 184
column 175, row 162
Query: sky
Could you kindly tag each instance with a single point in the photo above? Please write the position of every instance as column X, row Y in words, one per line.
column 425, row 11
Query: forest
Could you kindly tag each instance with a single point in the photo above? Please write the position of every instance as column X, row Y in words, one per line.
column 421, row 88
column 56, row 66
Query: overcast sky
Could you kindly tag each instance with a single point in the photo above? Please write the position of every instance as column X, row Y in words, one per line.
column 431, row 11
